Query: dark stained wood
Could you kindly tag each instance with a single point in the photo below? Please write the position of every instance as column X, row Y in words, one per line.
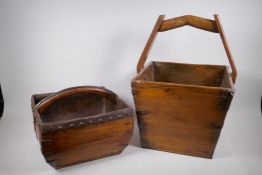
column 180, row 107
column 81, row 124
column 1, row 103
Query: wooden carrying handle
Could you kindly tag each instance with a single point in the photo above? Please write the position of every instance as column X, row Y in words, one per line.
column 43, row 104
column 194, row 21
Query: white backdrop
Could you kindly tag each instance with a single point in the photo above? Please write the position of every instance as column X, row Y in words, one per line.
column 50, row 45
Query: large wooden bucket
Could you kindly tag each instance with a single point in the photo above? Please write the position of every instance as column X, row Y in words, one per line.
column 181, row 108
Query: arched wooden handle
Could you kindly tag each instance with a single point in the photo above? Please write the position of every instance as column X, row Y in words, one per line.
column 43, row 104
column 194, row 21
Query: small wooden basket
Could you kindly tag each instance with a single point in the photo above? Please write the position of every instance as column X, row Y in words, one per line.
column 81, row 124
column 181, row 108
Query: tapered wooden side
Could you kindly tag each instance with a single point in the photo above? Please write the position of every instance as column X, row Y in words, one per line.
column 180, row 119
column 77, row 145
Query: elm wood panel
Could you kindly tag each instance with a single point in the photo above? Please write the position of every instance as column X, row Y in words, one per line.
column 91, row 138
column 193, row 120
column 159, row 89
column 182, row 113
column 178, row 137
column 192, row 109
column 177, row 130
column 227, row 80
column 183, row 103
column 182, row 89
column 188, row 74
column 202, row 75
column 90, row 133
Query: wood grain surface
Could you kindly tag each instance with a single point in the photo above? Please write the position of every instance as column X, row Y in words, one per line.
column 1, row 103
column 81, row 126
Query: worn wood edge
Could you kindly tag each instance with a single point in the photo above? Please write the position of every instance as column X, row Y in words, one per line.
column 79, row 122
column 54, row 161
column 145, row 144
column 231, row 89
column 229, row 76
column 141, row 71
column 51, row 155
column 36, row 116
column 191, row 64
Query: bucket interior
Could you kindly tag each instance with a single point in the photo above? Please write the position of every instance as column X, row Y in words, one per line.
column 186, row 74
column 77, row 106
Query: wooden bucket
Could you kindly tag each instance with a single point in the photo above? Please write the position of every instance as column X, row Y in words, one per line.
column 1, row 103
column 181, row 108
column 81, row 124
